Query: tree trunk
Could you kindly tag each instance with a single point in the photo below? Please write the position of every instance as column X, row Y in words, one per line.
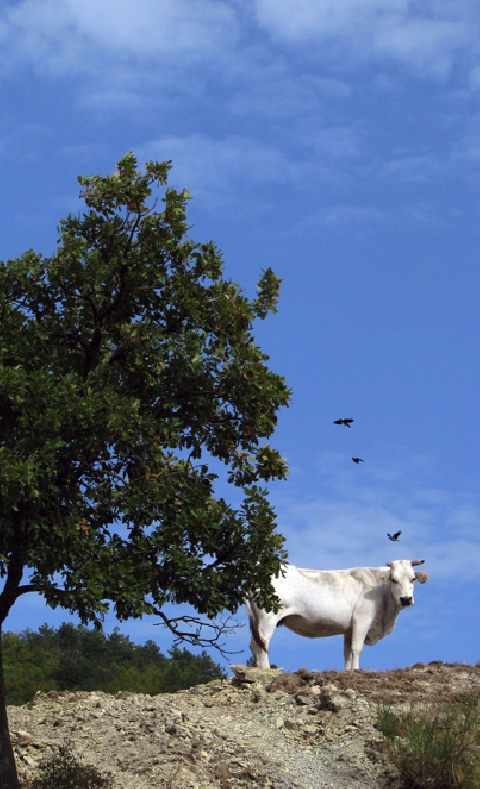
column 8, row 770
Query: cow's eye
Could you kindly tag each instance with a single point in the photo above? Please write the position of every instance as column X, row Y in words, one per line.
column 395, row 581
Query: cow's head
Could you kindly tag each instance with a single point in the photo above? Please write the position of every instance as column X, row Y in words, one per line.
column 402, row 577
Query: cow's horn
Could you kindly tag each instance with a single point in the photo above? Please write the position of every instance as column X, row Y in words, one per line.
column 416, row 562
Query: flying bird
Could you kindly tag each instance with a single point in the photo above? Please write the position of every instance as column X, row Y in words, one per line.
column 394, row 537
column 346, row 421
column 358, row 460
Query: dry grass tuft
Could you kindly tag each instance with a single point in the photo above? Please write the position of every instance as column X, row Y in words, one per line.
column 436, row 748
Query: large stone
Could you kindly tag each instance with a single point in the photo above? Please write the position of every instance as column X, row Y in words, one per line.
column 251, row 675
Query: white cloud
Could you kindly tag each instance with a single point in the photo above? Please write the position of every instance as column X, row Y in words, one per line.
column 426, row 35
column 88, row 36
column 42, row 34
column 422, row 43
column 173, row 28
column 308, row 19
column 84, row 36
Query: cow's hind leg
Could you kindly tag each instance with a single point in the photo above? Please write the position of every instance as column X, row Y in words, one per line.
column 262, row 630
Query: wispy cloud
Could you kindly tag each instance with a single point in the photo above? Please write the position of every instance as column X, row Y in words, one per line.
column 339, row 216
column 113, row 99
column 273, row 91
column 220, row 169
column 83, row 37
column 474, row 78
column 83, row 152
column 173, row 28
column 467, row 149
column 418, row 168
column 347, row 523
column 424, row 36
column 223, row 166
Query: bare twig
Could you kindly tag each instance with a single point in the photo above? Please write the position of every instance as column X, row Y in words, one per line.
column 194, row 634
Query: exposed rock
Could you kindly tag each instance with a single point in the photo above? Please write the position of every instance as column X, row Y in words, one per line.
column 277, row 731
column 250, row 674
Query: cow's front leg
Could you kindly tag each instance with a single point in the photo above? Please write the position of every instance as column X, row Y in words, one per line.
column 356, row 648
column 347, row 650
column 355, row 660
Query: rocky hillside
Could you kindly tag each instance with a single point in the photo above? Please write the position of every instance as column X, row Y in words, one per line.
column 260, row 729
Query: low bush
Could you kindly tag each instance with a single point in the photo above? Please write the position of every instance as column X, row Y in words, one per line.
column 62, row 770
column 437, row 748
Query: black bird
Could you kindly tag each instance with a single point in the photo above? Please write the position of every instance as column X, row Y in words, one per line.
column 358, row 460
column 394, row 537
column 346, row 421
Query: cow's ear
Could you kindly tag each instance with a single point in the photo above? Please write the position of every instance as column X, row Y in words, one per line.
column 384, row 577
column 421, row 576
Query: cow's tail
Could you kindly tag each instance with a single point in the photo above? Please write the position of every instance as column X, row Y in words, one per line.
column 252, row 612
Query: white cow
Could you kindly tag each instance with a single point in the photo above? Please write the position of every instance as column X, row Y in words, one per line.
column 361, row 603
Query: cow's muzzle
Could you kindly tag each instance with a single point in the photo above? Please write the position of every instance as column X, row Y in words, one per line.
column 406, row 601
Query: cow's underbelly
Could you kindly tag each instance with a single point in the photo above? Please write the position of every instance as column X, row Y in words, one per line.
column 312, row 628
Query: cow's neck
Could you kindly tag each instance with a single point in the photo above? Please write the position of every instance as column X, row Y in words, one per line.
column 391, row 610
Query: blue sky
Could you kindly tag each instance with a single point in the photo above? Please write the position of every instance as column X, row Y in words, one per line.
column 337, row 141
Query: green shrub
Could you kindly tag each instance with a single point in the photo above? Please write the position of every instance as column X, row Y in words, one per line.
column 436, row 749
column 62, row 770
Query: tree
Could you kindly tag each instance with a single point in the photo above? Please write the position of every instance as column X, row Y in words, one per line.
column 78, row 658
column 129, row 381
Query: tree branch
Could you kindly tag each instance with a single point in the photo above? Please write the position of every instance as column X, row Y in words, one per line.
column 10, row 590
column 194, row 635
column 28, row 588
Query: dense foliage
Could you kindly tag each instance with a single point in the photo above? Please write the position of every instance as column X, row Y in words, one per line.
column 76, row 658
column 127, row 362
column 130, row 382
